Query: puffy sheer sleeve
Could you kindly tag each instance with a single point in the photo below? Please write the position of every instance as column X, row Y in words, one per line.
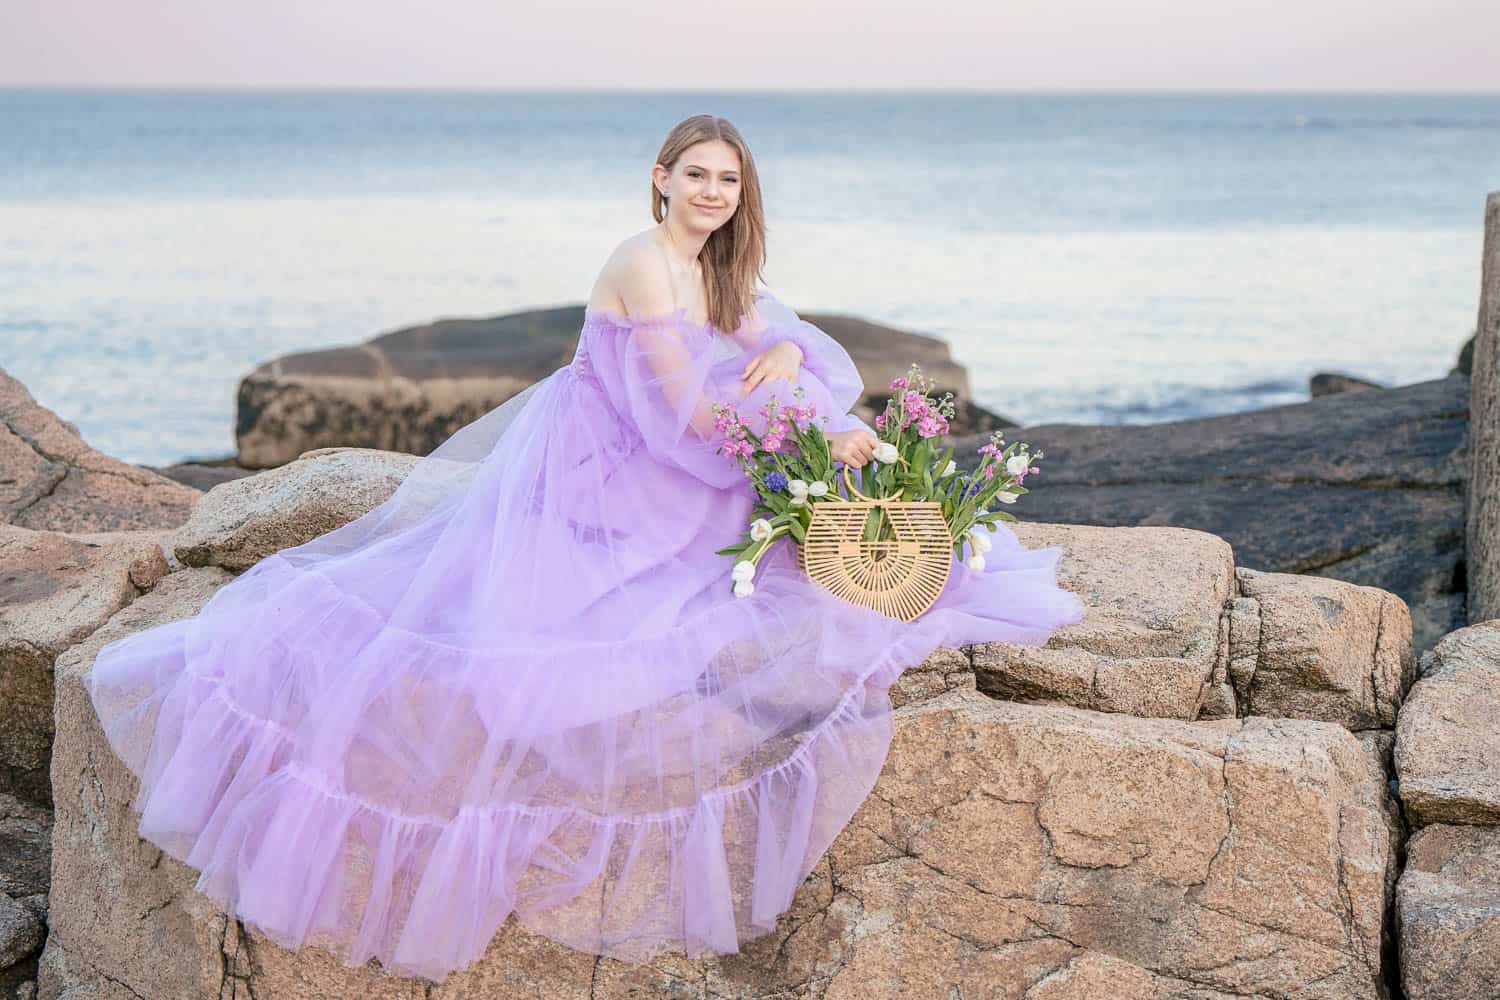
column 663, row 373
column 661, row 377
column 826, row 366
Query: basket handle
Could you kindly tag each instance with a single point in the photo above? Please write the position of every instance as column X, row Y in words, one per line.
column 854, row 490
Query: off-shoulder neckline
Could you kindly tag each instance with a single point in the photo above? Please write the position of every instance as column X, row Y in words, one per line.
column 678, row 315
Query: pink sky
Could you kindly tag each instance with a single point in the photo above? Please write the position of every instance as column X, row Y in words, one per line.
column 1262, row 45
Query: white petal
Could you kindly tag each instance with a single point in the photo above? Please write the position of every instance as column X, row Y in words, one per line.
column 743, row 570
column 1006, row 497
column 797, row 487
column 975, row 562
column 949, row 469
column 818, row 488
column 743, row 588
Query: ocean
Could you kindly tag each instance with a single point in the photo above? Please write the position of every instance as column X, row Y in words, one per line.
column 1089, row 258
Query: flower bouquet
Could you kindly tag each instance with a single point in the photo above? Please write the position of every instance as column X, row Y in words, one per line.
column 888, row 540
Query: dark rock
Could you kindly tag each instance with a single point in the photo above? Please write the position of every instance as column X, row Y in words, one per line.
column 1465, row 365
column 1329, row 383
column 410, row 389
column 1366, row 487
column 203, row 474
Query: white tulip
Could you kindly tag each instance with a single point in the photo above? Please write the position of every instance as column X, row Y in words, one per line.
column 886, row 453
column 1018, row 464
column 797, row 501
column 949, row 469
column 975, row 562
column 980, row 539
column 1006, row 497
column 760, row 529
column 817, row 489
column 743, row 588
column 744, row 570
column 797, row 487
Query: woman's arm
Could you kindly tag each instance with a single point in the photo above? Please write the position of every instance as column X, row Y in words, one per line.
column 645, row 288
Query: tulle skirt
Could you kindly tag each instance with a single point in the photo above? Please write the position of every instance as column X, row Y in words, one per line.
column 524, row 686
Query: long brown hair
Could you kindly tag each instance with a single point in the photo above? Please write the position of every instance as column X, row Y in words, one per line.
column 735, row 253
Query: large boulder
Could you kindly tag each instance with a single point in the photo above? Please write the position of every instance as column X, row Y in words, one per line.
column 1366, row 487
column 53, row 481
column 1448, row 914
column 1206, row 640
column 1484, row 448
column 1309, row 647
column 1447, row 743
column 410, row 389
column 239, row 523
column 1150, row 640
column 1005, row 847
column 55, row 589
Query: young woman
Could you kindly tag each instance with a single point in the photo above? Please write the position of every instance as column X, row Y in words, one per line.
column 523, row 683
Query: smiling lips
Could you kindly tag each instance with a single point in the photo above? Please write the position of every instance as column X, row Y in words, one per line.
column 707, row 208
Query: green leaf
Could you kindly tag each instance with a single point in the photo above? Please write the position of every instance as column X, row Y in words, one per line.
column 797, row 532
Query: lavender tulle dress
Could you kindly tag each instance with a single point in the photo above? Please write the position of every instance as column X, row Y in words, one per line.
column 522, row 685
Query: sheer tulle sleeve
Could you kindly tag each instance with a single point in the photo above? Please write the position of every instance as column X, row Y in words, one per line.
column 662, row 374
column 825, row 362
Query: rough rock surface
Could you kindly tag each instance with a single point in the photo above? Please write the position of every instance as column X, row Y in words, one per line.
column 1150, row 641
column 1206, row 640
column 1006, row 848
column 1484, row 449
column 55, row 589
column 1322, row 649
column 1447, row 741
column 1448, row 914
column 410, row 389
column 53, row 481
column 239, row 523
column 1366, row 487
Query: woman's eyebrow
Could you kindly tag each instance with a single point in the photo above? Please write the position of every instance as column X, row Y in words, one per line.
column 694, row 166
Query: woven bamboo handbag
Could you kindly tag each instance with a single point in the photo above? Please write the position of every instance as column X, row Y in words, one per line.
column 899, row 574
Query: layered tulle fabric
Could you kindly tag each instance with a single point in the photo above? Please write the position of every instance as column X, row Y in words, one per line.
column 522, row 685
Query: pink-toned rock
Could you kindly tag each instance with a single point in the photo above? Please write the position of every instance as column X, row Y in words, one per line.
column 1324, row 649
column 55, row 589
column 1150, row 641
column 53, row 481
column 1448, row 914
column 239, row 523
column 1447, row 742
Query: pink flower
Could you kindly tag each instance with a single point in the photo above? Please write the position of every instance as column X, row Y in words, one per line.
column 880, row 422
column 927, row 427
column 898, row 383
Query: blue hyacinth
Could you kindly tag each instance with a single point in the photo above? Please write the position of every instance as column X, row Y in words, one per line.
column 776, row 481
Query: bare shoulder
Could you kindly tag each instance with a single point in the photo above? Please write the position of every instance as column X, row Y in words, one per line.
column 634, row 279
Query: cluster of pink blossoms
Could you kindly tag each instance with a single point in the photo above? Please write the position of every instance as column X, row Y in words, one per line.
column 737, row 444
column 931, row 418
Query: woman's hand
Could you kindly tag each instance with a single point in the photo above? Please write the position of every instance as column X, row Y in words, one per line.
column 780, row 360
column 853, row 448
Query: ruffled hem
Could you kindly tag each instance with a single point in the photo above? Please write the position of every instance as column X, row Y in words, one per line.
column 221, row 791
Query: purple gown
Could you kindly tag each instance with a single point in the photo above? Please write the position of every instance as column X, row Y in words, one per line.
column 523, row 684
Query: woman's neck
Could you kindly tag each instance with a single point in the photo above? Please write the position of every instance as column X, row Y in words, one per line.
column 682, row 247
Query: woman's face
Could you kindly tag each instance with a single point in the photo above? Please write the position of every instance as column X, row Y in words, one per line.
column 703, row 186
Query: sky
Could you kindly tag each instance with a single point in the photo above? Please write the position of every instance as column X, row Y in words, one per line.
column 773, row 45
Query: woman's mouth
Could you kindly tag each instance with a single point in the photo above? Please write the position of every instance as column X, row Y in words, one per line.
column 707, row 208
